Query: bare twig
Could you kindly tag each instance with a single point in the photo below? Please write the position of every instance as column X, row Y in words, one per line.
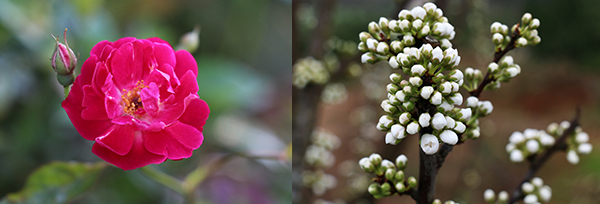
column 537, row 162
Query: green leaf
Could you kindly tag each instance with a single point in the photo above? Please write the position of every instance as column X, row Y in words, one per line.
column 57, row 182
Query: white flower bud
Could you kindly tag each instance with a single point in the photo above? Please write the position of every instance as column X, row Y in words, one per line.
column 564, row 125
column 401, row 161
column 446, row 106
column 417, row 24
column 537, row 181
column 393, row 63
column 439, row 121
column 396, row 46
column 472, row 101
column 450, row 122
column 407, row 89
column 424, row 119
column 393, row 25
column 531, row 133
column 546, row 140
column 527, row 188
column 545, row 193
column 493, row 68
column 412, row 128
column 582, row 137
column 535, row 23
column 425, row 31
column 516, row 156
column 383, row 48
column 572, row 157
column 404, row 117
column 503, row 196
column 383, row 22
column 497, row 38
column 387, row 106
column 530, row 199
column 455, row 86
column 466, row 113
column 460, row 127
column 417, row 69
column 414, row 53
column 486, row 107
column 367, row 58
column 429, row 144
column 395, row 77
column 401, row 96
column 426, row 49
column 375, row 159
column 495, row 27
column 403, row 59
column 504, row 31
column 408, row 40
column 388, row 164
column 526, row 18
column 372, row 44
column 509, row 147
column 429, row 7
column 404, row 25
column 390, row 139
column 436, row 99
column 507, row 61
column 439, row 13
column 418, row 12
column 450, row 55
column 426, row 92
column 446, row 87
column 365, row 164
column 397, row 131
column 469, row 72
column 516, row 137
column 458, row 75
column 404, row 14
column 584, row 148
column 513, row 71
column 416, row 81
column 489, row 195
column 437, row 54
column 521, row 42
column 449, row 137
column 457, row 99
column 532, row 146
column 384, row 121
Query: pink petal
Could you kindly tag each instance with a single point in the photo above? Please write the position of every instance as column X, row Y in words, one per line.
column 122, row 41
column 164, row 54
column 169, row 141
column 112, row 99
column 188, row 86
column 173, row 109
column 185, row 62
column 158, row 40
column 105, row 53
column 126, row 65
column 118, row 139
column 162, row 80
column 150, row 99
column 100, row 75
column 97, row 49
column 196, row 114
column 137, row 157
column 93, row 102
column 87, row 71
column 89, row 129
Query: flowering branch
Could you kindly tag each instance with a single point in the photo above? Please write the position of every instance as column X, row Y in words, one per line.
column 537, row 162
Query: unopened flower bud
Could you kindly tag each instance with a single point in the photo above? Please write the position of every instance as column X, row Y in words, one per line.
column 489, row 196
column 398, row 131
column 530, row 199
column 404, row 14
column 527, row 187
column 449, row 137
column 426, row 92
column 437, row 201
column 400, row 187
column 532, row 146
column 383, row 48
column 412, row 181
column 521, row 42
column 401, row 161
column 374, row 189
column 418, row 12
column 516, row 156
column 535, row 23
column 417, row 69
column 526, row 19
column 376, row 159
column 460, row 127
column 545, row 193
column 572, row 157
column 497, row 38
column 584, row 148
column 404, row 118
column 439, row 121
column 582, row 137
column 436, row 99
column 412, row 128
column 190, row 41
column 408, row 40
column 400, row 175
column 63, row 61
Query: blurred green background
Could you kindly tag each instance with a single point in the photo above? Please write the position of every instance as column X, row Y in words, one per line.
column 243, row 62
column 560, row 73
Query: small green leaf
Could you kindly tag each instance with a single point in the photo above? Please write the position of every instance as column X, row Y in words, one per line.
column 57, row 182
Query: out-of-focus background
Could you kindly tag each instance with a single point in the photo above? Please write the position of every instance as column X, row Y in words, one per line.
column 243, row 61
column 559, row 74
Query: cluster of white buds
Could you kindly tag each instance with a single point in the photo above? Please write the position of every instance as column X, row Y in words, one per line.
column 577, row 142
column 318, row 181
column 387, row 38
column 319, row 156
column 503, row 71
column 308, row 70
column 334, row 93
column 526, row 32
column 536, row 192
column 390, row 176
column 490, row 197
column 438, row 201
column 479, row 109
column 529, row 142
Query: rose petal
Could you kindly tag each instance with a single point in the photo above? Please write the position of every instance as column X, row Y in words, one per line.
column 87, row 71
column 98, row 48
column 185, row 62
column 122, row 41
column 112, row 99
column 93, row 102
column 158, row 40
column 195, row 114
column 188, row 86
column 105, row 53
column 163, row 53
column 137, row 157
column 126, row 65
column 150, row 99
column 88, row 129
column 118, row 139
column 169, row 141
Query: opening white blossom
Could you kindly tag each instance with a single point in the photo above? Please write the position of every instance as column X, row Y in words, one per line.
column 449, row 137
column 460, row 127
column 397, row 131
column 412, row 128
column 429, row 144
column 390, row 139
column 418, row 12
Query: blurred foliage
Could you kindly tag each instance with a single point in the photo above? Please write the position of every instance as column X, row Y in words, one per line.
column 244, row 50
column 57, row 182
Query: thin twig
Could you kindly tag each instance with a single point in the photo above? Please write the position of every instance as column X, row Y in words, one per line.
column 537, row 162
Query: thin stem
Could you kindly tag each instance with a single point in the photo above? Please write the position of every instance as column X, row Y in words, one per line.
column 67, row 90
column 163, row 178
column 537, row 163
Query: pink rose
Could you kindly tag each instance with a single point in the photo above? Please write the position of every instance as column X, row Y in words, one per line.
column 137, row 99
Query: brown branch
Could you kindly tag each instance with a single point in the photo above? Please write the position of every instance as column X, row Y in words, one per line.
column 497, row 56
column 536, row 163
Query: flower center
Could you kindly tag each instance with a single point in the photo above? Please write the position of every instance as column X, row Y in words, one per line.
column 132, row 102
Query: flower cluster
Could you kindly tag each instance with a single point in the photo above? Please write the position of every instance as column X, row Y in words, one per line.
column 526, row 32
column 387, row 38
column 334, row 93
column 308, row 70
column 527, row 143
column 390, row 176
column 536, row 192
column 490, row 197
column 503, row 71
column 577, row 142
column 319, row 156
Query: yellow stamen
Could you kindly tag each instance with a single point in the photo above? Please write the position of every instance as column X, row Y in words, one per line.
column 131, row 100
